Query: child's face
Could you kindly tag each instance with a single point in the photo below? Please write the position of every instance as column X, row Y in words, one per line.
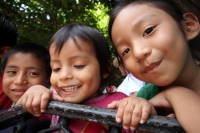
column 150, row 44
column 22, row 71
column 75, row 71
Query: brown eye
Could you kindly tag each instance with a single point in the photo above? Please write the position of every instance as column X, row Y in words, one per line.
column 125, row 51
column 148, row 31
column 79, row 66
column 55, row 69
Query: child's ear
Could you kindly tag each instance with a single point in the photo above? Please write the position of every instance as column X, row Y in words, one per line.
column 191, row 25
column 3, row 51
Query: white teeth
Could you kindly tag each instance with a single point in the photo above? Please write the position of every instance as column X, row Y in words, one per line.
column 71, row 88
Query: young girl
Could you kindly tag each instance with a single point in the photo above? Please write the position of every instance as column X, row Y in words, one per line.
column 25, row 65
column 80, row 62
column 158, row 44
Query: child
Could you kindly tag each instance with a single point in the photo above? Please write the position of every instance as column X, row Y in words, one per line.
column 161, row 42
column 8, row 38
column 80, row 63
column 25, row 65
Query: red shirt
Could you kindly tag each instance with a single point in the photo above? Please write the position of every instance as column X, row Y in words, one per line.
column 5, row 102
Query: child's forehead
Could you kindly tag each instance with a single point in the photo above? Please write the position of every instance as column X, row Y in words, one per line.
column 140, row 13
column 134, row 6
column 25, row 56
column 78, row 43
column 25, row 61
column 137, row 6
column 20, row 53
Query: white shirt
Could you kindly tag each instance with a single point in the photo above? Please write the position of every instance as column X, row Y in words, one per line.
column 130, row 84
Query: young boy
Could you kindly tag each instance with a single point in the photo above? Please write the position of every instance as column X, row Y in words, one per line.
column 8, row 38
column 25, row 65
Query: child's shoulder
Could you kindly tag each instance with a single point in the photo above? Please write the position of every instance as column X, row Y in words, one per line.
column 148, row 91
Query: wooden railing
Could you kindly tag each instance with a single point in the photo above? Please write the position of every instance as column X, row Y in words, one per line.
column 17, row 116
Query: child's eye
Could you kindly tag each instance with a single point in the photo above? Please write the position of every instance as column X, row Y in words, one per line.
column 55, row 69
column 11, row 72
column 148, row 31
column 125, row 51
column 79, row 66
column 33, row 73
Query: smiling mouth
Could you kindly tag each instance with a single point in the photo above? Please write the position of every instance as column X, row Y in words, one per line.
column 71, row 88
column 16, row 90
column 151, row 67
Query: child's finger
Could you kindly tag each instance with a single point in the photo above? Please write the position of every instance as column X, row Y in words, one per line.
column 19, row 102
column 57, row 97
column 136, row 116
column 23, row 101
column 113, row 105
column 44, row 101
column 120, row 111
column 145, row 114
column 36, row 105
column 31, row 105
column 172, row 115
column 26, row 101
column 127, row 116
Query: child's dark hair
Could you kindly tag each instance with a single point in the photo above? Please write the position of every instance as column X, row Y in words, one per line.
column 39, row 51
column 169, row 6
column 91, row 36
column 8, row 31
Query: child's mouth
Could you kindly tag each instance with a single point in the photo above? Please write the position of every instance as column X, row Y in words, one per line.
column 19, row 92
column 70, row 89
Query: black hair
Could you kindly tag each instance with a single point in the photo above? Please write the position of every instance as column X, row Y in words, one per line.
column 169, row 6
column 91, row 36
column 37, row 50
column 8, row 31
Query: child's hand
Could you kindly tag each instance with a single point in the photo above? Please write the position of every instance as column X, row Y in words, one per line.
column 132, row 111
column 35, row 99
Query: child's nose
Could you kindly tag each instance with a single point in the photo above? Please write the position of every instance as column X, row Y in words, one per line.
column 20, row 79
column 141, row 51
column 66, row 74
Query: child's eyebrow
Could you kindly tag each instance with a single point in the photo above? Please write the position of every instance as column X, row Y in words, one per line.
column 10, row 66
column 143, row 19
column 79, row 56
column 30, row 67
column 138, row 23
column 35, row 67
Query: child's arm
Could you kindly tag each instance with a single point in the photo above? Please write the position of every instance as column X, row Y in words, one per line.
column 186, row 105
column 36, row 98
column 132, row 111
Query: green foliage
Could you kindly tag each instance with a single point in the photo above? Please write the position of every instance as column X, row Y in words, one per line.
column 38, row 20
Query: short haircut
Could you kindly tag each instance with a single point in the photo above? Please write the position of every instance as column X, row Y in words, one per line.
column 38, row 51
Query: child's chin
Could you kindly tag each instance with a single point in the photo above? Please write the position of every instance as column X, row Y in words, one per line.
column 72, row 100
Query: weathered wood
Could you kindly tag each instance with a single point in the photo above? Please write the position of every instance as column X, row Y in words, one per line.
column 156, row 124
